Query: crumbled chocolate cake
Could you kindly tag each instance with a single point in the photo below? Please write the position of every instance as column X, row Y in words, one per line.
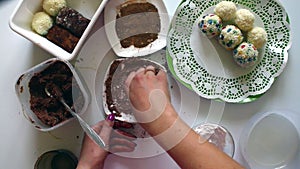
column 116, row 97
column 72, row 20
column 62, row 38
column 49, row 110
column 137, row 24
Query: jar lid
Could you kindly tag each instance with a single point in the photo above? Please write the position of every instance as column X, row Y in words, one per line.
column 56, row 159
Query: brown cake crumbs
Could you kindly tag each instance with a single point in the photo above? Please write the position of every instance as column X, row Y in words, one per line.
column 49, row 110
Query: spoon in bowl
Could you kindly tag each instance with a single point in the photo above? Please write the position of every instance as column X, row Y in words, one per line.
column 57, row 94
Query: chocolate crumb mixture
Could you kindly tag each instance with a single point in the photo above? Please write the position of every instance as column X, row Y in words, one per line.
column 116, row 97
column 137, row 24
column 49, row 110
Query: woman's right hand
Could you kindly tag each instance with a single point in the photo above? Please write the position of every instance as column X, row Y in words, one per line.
column 141, row 83
column 149, row 93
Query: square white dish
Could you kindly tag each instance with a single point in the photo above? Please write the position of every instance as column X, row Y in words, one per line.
column 22, row 90
column 20, row 22
column 110, row 13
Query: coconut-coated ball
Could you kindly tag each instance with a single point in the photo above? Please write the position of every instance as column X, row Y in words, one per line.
column 41, row 23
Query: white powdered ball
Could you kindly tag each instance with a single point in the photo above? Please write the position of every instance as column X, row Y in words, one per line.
column 257, row 36
column 226, row 10
column 244, row 19
column 52, row 7
column 41, row 23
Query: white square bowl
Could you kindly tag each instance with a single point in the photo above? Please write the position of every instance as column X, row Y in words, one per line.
column 21, row 18
column 110, row 14
column 23, row 93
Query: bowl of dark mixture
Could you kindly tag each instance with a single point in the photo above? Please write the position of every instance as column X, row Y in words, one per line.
column 44, row 112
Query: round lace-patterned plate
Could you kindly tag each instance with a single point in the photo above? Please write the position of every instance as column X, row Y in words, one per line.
column 204, row 66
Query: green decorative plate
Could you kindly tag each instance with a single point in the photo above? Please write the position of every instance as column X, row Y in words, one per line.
column 203, row 66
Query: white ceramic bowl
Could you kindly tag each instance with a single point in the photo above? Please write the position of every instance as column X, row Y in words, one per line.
column 21, row 18
column 272, row 140
column 23, row 94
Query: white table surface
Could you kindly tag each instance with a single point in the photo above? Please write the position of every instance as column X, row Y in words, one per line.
column 21, row 143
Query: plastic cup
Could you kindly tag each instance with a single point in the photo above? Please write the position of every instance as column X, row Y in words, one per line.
column 217, row 135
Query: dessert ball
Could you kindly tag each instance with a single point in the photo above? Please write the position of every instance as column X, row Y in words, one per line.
column 257, row 36
column 245, row 55
column 226, row 10
column 41, row 23
column 210, row 25
column 244, row 19
column 52, row 7
column 230, row 37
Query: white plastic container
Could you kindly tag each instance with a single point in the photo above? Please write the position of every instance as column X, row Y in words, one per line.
column 272, row 140
column 21, row 18
column 23, row 93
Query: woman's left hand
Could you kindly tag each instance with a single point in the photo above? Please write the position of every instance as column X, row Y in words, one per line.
column 92, row 156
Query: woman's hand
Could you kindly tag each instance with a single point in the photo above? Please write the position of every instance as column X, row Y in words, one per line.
column 92, row 156
column 141, row 83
